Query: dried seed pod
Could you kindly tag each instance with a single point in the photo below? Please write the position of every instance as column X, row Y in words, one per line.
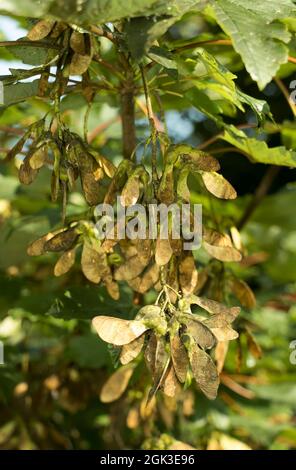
column 188, row 275
column 62, row 241
column 129, row 270
column 91, row 263
column 150, row 352
column 213, row 307
column 131, row 191
column 163, row 251
column 72, row 175
column 161, row 357
column 77, row 43
column 55, row 186
column 55, row 176
column 116, row 384
column 159, row 366
column 217, row 185
column 136, row 259
column 40, row 30
column 182, row 188
column 65, row 262
column 166, row 191
column 118, row 181
column 147, row 281
column 179, row 357
column 220, row 355
column 112, row 289
column 176, row 245
column 91, row 181
column 181, row 154
column 107, row 166
column 242, row 292
column 149, row 278
column 179, row 445
column 26, row 174
column 117, row 331
column 58, row 29
column 170, row 385
column 37, row 247
column 79, row 64
column 219, row 325
column 38, row 158
column 143, row 248
column 201, row 334
column 130, row 351
column 219, row 246
column 204, row 371
column 133, row 418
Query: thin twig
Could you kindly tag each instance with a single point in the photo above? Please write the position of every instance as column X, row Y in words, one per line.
column 12, row 130
column 127, row 105
column 153, row 131
column 99, row 31
column 236, row 387
column 286, row 94
column 216, row 137
column 228, row 149
column 213, row 42
column 111, row 67
column 101, row 128
column 157, row 122
column 161, row 112
column 45, row 45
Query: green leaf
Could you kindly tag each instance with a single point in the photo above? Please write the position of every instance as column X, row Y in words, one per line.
column 269, row 9
column 260, row 107
column 217, row 78
column 88, row 301
column 94, row 11
column 141, row 32
column 8, row 187
column 258, row 150
column 20, row 92
column 162, row 57
column 214, row 84
column 201, row 101
column 32, row 55
column 87, row 351
column 259, row 41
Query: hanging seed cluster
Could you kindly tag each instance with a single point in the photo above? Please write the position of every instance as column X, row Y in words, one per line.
column 175, row 341
column 138, row 262
column 69, row 157
column 77, row 48
column 176, row 334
